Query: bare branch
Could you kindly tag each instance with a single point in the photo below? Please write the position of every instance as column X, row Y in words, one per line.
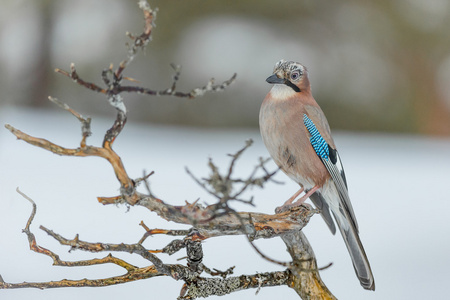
column 197, row 92
column 195, row 285
column 201, row 184
column 211, row 87
column 74, row 76
column 150, row 232
column 306, row 280
column 144, row 178
column 119, row 123
column 222, row 186
column 216, row 272
column 114, row 86
column 85, row 122
column 205, row 287
column 138, row 274
column 113, row 79
column 133, row 272
column 140, row 41
column 127, row 186
column 236, row 156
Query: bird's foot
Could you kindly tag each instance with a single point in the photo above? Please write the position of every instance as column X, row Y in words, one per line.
column 284, row 208
column 291, row 200
column 290, row 203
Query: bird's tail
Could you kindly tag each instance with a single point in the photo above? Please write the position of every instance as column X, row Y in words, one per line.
column 357, row 253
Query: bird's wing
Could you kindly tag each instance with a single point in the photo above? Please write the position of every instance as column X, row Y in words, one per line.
column 341, row 186
column 345, row 217
column 331, row 160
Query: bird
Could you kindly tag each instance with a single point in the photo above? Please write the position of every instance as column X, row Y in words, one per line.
column 296, row 133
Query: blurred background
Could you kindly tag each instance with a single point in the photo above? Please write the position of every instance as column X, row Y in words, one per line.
column 380, row 70
column 374, row 65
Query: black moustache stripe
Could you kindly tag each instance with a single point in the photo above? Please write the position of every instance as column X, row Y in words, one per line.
column 293, row 86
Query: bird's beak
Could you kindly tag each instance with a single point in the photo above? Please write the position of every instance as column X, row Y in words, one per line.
column 275, row 79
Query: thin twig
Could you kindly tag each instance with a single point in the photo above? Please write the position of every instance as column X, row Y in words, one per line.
column 197, row 92
column 201, row 184
column 74, row 76
column 236, row 156
column 143, row 178
column 85, row 122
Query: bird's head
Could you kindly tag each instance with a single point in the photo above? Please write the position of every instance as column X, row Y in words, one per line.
column 290, row 74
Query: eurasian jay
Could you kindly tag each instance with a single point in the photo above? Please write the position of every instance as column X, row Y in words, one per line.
column 297, row 136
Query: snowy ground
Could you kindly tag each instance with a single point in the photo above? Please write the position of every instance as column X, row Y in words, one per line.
column 398, row 184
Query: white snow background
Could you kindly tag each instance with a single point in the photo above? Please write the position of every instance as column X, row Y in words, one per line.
column 399, row 186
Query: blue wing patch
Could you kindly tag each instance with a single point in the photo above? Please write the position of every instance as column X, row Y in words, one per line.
column 317, row 141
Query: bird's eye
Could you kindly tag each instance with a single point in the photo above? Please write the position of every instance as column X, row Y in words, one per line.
column 295, row 75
